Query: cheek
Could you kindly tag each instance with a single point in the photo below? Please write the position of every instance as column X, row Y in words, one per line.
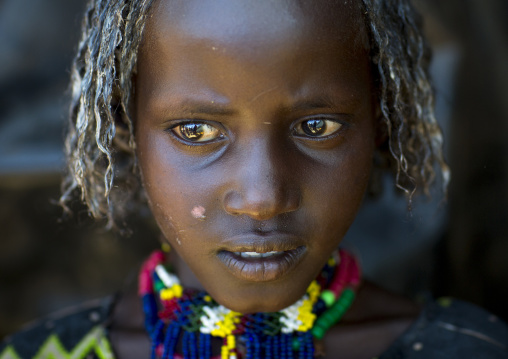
column 181, row 196
column 164, row 186
column 337, row 192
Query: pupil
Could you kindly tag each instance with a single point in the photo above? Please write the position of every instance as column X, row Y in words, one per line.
column 192, row 131
column 314, row 127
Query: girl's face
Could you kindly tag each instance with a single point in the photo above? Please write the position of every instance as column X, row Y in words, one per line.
column 255, row 126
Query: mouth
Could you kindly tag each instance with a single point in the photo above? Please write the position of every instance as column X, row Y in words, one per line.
column 261, row 258
column 257, row 255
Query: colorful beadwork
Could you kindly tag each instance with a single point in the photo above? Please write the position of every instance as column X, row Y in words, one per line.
column 190, row 319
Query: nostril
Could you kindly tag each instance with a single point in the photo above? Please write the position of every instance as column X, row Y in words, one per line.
column 260, row 205
column 232, row 203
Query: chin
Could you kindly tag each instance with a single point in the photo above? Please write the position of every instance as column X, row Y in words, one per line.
column 259, row 300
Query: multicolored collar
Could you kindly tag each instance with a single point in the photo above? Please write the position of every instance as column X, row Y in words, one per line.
column 188, row 319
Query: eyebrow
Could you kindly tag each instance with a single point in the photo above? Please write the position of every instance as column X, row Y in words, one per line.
column 320, row 102
column 212, row 108
column 201, row 107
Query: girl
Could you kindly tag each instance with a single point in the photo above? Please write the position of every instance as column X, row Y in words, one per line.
column 253, row 127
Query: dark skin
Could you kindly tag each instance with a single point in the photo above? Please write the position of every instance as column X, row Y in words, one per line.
column 256, row 124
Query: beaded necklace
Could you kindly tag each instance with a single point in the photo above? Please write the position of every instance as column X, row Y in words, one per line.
column 189, row 319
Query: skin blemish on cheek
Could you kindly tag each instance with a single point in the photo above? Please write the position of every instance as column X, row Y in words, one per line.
column 198, row 212
column 267, row 123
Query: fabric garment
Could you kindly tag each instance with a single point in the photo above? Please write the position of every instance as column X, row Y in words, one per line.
column 446, row 328
column 452, row 329
column 77, row 333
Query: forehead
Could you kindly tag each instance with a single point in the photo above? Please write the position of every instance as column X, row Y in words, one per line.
column 253, row 24
column 237, row 49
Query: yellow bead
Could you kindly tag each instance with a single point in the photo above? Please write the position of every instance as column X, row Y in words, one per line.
column 313, row 291
column 231, row 342
column 208, row 298
column 224, row 352
column 445, row 302
column 167, row 294
column 166, row 247
column 178, row 290
column 218, row 333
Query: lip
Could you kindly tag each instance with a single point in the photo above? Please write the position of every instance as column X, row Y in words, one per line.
column 290, row 251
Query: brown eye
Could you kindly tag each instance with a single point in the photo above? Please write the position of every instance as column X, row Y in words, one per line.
column 318, row 127
column 196, row 132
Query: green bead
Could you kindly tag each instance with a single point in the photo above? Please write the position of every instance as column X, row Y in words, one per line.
column 337, row 312
column 328, row 297
column 349, row 293
column 338, row 308
column 325, row 321
column 295, row 344
column 318, row 332
column 159, row 286
column 340, row 304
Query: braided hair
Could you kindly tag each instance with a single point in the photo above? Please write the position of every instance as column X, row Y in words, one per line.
column 100, row 146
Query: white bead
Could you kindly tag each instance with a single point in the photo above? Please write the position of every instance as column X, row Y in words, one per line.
column 168, row 279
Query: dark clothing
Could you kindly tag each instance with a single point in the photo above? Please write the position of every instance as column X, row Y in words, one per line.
column 447, row 329
column 75, row 333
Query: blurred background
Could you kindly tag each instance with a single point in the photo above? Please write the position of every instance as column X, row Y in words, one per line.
column 457, row 248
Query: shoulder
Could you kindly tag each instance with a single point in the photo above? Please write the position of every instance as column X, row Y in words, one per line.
column 76, row 332
column 450, row 329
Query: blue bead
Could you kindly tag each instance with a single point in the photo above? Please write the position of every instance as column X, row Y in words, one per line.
column 310, row 346
column 289, row 345
column 185, row 344
column 201, row 348
column 268, row 347
column 155, row 277
column 248, row 346
column 172, row 334
column 276, row 346
column 156, row 333
column 302, row 349
column 155, row 344
column 150, row 310
column 193, row 345
column 283, row 347
column 257, row 346
column 205, row 351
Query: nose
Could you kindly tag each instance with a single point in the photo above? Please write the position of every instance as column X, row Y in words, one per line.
column 262, row 184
